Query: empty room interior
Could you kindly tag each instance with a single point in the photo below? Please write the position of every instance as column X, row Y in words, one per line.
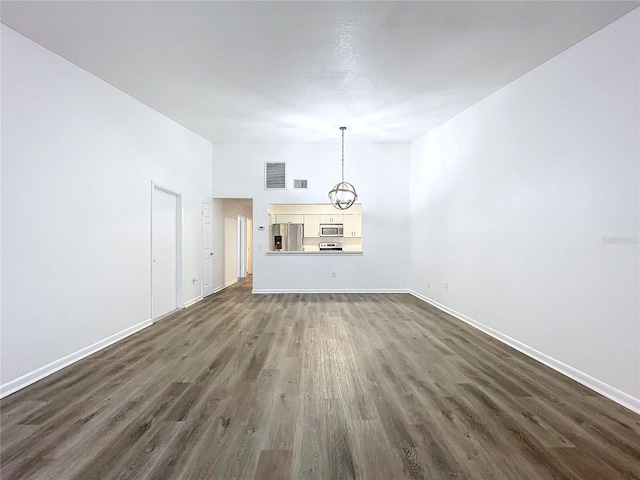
column 320, row 240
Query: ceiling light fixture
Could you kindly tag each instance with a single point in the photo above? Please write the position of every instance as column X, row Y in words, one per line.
column 343, row 195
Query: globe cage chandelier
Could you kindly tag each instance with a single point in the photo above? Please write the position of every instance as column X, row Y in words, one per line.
column 343, row 195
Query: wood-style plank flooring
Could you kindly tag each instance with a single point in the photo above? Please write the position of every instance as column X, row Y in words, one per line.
column 306, row 386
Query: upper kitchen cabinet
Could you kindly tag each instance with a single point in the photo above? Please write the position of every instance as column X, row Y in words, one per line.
column 288, row 218
column 311, row 226
column 352, row 225
column 332, row 218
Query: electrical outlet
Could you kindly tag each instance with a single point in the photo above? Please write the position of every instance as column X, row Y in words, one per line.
column 428, row 284
column 333, row 274
column 446, row 286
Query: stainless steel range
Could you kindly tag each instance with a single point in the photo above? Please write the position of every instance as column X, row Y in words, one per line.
column 328, row 246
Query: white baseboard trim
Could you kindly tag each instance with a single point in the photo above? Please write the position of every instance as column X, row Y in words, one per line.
column 193, row 301
column 618, row 396
column 328, row 290
column 228, row 284
column 32, row 377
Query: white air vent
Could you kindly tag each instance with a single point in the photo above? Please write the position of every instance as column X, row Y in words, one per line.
column 274, row 176
column 298, row 183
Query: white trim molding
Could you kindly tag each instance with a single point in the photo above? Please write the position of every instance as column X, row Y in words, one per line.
column 228, row 284
column 193, row 301
column 42, row 372
column 618, row 396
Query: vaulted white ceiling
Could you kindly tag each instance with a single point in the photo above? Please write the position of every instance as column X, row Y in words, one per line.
column 255, row 72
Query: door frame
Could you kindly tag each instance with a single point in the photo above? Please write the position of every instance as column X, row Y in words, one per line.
column 249, row 246
column 242, row 246
column 202, row 276
column 179, row 223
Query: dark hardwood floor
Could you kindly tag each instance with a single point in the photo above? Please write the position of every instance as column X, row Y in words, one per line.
column 305, row 386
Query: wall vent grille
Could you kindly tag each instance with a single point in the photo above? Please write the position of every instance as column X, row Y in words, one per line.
column 299, row 183
column 274, row 176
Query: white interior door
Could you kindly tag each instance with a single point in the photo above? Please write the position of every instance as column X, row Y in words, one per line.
column 207, row 251
column 164, row 219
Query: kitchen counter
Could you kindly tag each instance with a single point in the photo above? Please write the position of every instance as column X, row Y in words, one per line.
column 316, row 253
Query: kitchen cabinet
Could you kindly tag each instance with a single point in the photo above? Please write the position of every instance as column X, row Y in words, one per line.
column 332, row 218
column 288, row 219
column 311, row 226
column 352, row 225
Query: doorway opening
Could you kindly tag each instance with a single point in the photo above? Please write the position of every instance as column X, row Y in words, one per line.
column 237, row 239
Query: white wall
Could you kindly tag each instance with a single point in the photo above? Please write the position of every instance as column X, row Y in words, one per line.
column 78, row 158
column 514, row 203
column 380, row 175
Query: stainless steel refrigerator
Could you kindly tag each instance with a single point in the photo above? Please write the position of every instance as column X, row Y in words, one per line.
column 287, row 237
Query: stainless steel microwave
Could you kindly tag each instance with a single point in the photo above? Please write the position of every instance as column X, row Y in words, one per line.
column 332, row 230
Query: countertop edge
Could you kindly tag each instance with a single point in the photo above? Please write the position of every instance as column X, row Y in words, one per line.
column 323, row 254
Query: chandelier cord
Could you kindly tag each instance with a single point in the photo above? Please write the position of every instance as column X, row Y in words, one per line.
column 343, row 195
column 343, row 129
